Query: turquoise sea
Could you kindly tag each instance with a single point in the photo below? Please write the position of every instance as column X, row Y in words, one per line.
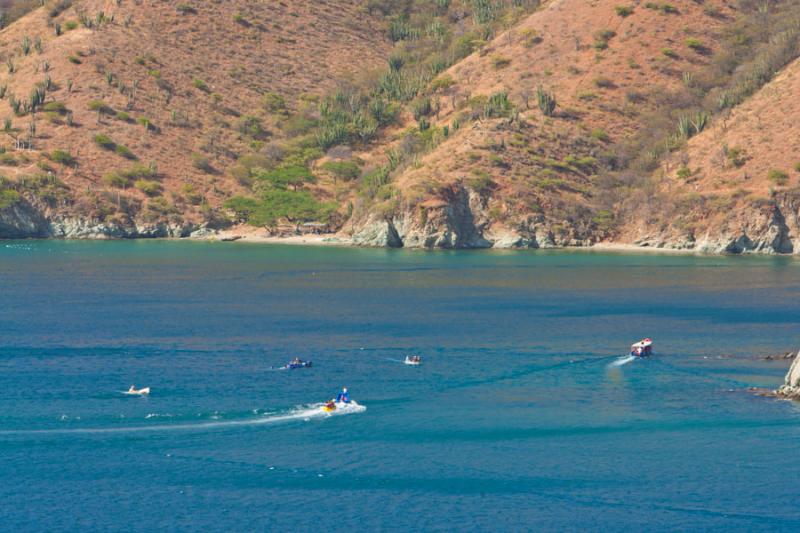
column 514, row 422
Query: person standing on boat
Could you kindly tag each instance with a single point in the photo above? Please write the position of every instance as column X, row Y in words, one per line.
column 343, row 396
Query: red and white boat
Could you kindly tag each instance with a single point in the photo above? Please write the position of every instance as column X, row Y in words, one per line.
column 643, row 348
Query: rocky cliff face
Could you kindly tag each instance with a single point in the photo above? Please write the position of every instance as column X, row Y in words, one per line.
column 21, row 221
column 791, row 385
column 24, row 221
column 460, row 219
column 771, row 227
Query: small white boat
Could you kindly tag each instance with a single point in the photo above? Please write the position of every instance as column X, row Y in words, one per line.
column 138, row 392
column 643, row 348
column 413, row 360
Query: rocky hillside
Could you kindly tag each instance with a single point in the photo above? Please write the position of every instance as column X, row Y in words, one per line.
column 429, row 123
column 126, row 114
column 736, row 186
column 537, row 120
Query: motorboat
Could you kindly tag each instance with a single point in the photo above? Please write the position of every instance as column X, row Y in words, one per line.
column 138, row 392
column 297, row 363
column 413, row 360
column 643, row 348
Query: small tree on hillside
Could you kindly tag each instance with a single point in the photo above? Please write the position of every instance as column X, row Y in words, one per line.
column 291, row 176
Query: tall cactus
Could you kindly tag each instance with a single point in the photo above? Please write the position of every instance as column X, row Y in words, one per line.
column 546, row 101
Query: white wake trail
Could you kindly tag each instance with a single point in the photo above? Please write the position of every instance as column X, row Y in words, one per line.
column 313, row 411
column 621, row 361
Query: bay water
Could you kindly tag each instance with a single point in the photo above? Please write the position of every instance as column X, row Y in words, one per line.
column 519, row 417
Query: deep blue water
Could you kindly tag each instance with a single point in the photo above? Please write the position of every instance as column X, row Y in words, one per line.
column 513, row 422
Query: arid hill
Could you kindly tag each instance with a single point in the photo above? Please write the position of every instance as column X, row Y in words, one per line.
column 736, row 186
column 147, row 103
column 432, row 123
column 611, row 71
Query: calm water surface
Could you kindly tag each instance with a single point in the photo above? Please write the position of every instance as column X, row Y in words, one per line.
column 515, row 421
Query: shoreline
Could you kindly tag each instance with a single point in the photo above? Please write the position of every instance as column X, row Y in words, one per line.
column 247, row 234
column 255, row 237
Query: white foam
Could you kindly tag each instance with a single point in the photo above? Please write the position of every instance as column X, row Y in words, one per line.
column 621, row 361
column 308, row 412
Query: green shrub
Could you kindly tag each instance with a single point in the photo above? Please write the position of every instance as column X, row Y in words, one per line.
column 140, row 171
column 8, row 197
column 149, row 187
column 599, row 135
column 778, row 177
column 624, row 11
column 500, row 62
column 74, row 60
column 604, row 83
column 421, row 107
column 530, row 38
column 8, row 160
column 62, row 157
column 667, row 9
column 684, row 173
column 604, row 220
column 695, row 44
column 100, row 107
column 243, row 207
column 200, row 84
column 290, row 176
column 55, row 107
column 736, row 156
column 481, row 182
column 201, row 162
column 273, row 103
column 602, row 37
column 115, row 179
column 344, row 170
column 104, row 141
column 670, row 53
column 252, row 127
column 277, row 204
column 124, row 151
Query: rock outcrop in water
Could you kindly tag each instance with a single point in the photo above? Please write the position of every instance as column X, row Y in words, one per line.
column 791, row 386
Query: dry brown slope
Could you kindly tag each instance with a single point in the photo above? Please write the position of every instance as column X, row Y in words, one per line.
column 604, row 92
column 238, row 49
column 736, row 186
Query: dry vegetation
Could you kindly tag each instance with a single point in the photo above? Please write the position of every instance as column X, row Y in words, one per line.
column 571, row 114
column 103, row 98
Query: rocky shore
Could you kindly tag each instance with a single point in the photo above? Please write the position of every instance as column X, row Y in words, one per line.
column 791, row 385
column 461, row 219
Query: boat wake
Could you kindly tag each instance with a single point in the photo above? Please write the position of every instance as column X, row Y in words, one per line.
column 305, row 412
column 621, row 361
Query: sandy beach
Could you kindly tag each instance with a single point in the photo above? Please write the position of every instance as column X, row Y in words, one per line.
column 260, row 236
